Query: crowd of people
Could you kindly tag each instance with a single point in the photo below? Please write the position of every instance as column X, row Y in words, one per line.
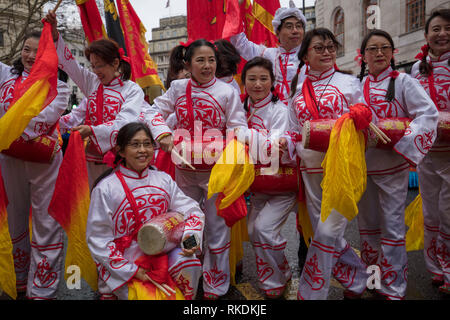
column 282, row 89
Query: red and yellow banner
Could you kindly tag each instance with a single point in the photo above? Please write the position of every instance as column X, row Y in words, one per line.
column 143, row 68
column 262, row 30
column 7, row 273
column 70, row 207
column 91, row 20
column 34, row 94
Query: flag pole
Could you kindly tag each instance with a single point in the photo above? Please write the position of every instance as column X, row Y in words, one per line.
column 57, row 5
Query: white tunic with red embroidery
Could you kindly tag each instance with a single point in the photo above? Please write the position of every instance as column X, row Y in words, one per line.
column 335, row 92
column 285, row 63
column 45, row 120
column 216, row 105
column 411, row 101
column 441, row 77
column 123, row 102
column 110, row 218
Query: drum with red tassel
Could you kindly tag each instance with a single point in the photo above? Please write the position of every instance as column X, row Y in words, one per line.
column 161, row 233
column 443, row 128
column 285, row 179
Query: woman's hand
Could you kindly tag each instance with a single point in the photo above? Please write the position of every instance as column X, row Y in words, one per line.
column 51, row 18
column 188, row 252
column 282, row 144
column 84, row 130
column 166, row 143
column 141, row 274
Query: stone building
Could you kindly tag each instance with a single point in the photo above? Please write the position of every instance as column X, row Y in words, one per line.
column 310, row 15
column 171, row 31
column 350, row 20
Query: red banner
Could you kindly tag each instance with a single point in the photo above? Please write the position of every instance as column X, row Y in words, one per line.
column 143, row 68
column 262, row 30
column 91, row 20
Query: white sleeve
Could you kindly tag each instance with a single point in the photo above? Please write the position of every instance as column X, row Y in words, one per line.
column 86, row 80
column 234, row 111
column 193, row 216
column 421, row 133
column 76, row 117
column 41, row 124
column 245, row 47
column 100, row 240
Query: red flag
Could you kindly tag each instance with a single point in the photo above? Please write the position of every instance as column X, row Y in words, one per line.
column 91, row 20
column 262, row 31
column 143, row 68
column 206, row 19
column 70, row 207
column 34, row 94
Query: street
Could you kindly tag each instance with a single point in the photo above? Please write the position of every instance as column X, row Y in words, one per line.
column 419, row 283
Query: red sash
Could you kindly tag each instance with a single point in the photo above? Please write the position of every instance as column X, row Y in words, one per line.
column 310, row 98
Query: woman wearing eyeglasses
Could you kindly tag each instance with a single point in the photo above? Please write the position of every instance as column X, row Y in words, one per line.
column 381, row 216
column 125, row 198
column 433, row 72
column 326, row 93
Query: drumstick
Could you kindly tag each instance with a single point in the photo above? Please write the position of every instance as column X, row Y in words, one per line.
column 57, row 6
column 380, row 133
column 156, row 284
column 168, row 288
column 182, row 159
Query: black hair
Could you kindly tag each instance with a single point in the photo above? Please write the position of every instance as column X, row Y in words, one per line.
column 264, row 63
column 184, row 54
column 126, row 133
column 108, row 51
column 424, row 67
column 390, row 95
column 229, row 58
column 324, row 33
column 176, row 64
column 18, row 66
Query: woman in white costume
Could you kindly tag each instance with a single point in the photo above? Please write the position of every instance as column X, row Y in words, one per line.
column 111, row 222
column 112, row 98
column 205, row 108
column 268, row 118
column 30, row 185
column 433, row 72
column 381, row 217
column 332, row 93
column 289, row 26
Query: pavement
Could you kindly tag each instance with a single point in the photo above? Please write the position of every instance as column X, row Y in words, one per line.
column 419, row 280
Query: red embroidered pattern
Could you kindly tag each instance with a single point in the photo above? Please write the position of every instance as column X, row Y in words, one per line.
column 264, row 270
column 331, row 106
column 6, row 94
column 215, row 277
column 44, row 277
column 313, row 275
column 208, row 112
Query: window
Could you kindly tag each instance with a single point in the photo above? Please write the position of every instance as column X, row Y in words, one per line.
column 1, row 39
column 415, row 15
column 74, row 52
column 338, row 30
column 366, row 15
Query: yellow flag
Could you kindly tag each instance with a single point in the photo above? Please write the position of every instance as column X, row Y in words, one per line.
column 414, row 220
column 344, row 170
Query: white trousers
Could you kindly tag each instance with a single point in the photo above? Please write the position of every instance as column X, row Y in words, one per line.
column 266, row 218
column 434, row 182
column 217, row 239
column 329, row 253
column 382, row 230
column 38, row 264
column 185, row 271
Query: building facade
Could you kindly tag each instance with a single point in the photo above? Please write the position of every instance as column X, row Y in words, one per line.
column 310, row 15
column 171, row 32
column 350, row 21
